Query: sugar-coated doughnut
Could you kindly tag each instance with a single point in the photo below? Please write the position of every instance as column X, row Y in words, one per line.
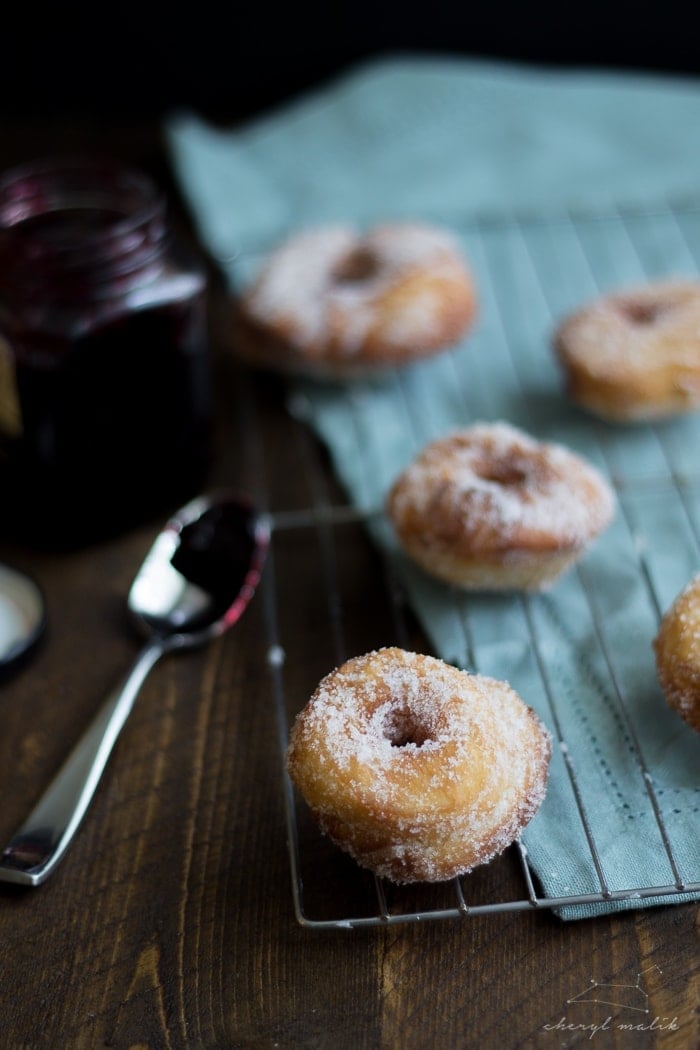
column 677, row 651
column 419, row 770
column 490, row 507
column 337, row 303
column 634, row 355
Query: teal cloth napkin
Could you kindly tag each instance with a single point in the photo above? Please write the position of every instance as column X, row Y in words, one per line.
column 558, row 185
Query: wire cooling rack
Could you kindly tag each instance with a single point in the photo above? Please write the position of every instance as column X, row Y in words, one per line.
column 354, row 600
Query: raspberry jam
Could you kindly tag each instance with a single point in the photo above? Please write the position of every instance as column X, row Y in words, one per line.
column 105, row 391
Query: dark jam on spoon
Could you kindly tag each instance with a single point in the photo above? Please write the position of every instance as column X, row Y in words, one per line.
column 220, row 551
column 104, row 371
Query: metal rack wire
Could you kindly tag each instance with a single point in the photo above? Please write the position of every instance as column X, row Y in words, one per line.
column 591, row 248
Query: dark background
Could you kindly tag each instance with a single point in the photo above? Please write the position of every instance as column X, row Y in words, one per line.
column 231, row 61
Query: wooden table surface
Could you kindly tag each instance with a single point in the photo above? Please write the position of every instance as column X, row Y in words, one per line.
column 171, row 922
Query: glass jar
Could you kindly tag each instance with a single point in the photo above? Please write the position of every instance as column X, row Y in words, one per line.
column 105, row 386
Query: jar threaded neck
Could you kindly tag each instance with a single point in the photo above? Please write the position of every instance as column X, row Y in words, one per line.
column 73, row 229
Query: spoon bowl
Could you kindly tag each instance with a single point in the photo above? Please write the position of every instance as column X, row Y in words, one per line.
column 201, row 571
column 194, row 584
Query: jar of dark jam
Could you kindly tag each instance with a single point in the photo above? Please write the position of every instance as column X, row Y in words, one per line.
column 105, row 391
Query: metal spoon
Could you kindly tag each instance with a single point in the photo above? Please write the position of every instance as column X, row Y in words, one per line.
column 194, row 584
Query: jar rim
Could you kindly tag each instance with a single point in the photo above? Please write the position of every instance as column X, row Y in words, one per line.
column 28, row 178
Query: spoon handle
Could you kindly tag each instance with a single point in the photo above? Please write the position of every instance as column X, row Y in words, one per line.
column 39, row 844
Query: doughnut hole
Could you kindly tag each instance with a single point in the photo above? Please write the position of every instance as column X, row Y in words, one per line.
column 357, row 266
column 501, row 472
column 641, row 312
column 402, row 727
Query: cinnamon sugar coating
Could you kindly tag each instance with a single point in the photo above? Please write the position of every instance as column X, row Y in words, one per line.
column 677, row 652
column 418, row 770
column 489, row 507
column 634, row 355
column 335, row 303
